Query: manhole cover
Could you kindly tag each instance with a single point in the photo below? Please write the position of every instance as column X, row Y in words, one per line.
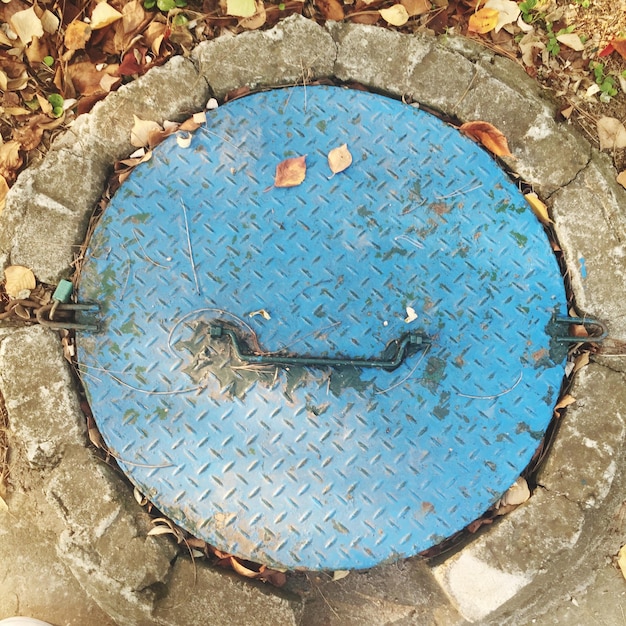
column 322, row 465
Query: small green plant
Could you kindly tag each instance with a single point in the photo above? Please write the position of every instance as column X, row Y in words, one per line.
column 164, row 5
column 56, row 100
column 608, row 87
column 585, row 4
column 552, row 46
column 526, row 9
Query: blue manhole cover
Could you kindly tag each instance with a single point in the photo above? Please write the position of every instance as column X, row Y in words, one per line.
column 332, row 466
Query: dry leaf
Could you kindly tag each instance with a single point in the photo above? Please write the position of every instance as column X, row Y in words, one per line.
column 4, row 508
column 10, row 159
column 517, row 494
column 621, row 560
column 539, row 208
column 241, row 8
column 571, row 40
column 262, row 312
column 621, row 178
column 27, row 25
column 483, row 21
column 257, row 20
column 564, row 402
column 411, row 315
column 339, row 159
column 17, row 280
column 141, row 132
column 611, row 133
column 161, row 530
column 508, row 12
column 4, row 190
column 488, row 135
column 290, row 172
column 340, row 573
column 331, row 9
column 50, row 22
column 396, row 15
column 103, row 15
column 619, row 45
column 581, row 361
column 77, row 35
column 416, row 7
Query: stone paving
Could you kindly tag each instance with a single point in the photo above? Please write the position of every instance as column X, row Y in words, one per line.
column 74, row 541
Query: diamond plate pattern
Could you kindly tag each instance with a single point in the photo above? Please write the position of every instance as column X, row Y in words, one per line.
column 321, row 469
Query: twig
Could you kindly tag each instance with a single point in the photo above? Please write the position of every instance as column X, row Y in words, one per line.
column 145, row 254
column 413, row 242
column 459, row 192
column 193, row 263
column 146, row 391
column 503, row 393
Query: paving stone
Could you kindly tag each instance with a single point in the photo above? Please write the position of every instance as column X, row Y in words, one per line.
column 497, row 566
column 403, row 593
column 296, row 50
column 105, row 542
column 583, row 460
column 591, row 228
column 39, row 395
column 196, row 596
column 391, row 56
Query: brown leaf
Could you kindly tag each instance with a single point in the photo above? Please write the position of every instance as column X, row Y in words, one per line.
column 4, row 190
column 77, row 35
column 619, row 45
column 87, row 79
column 621, row 178
column 611, row 133
column 10, row 160
column 488, row 135
column 257, row 20
column 339, row 159
column 416, row 7
column 395, row 15
column 331, row 9
column 564, row 402
column 290, row 172
column 242, row 570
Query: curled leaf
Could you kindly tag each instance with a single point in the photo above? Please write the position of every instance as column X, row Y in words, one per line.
column 17, row 280
column 183, row 139
column 339, row 159
column 290, row 172
column 621, row 179
column 27, row 25
column 10, row 159
column 488, row 135
column 539, row 208
column 141, row 131
column 262, row 312
column 103, row 15
column 411, row 315
column 396, row 15
column 611, row 133
column 483, row 21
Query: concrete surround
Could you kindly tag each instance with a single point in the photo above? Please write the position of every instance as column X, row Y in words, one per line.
column 73, row 539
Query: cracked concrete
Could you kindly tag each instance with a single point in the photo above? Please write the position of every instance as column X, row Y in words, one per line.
column 72, row 520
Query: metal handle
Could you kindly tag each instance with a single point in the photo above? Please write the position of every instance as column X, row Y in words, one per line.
column 407, row 343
